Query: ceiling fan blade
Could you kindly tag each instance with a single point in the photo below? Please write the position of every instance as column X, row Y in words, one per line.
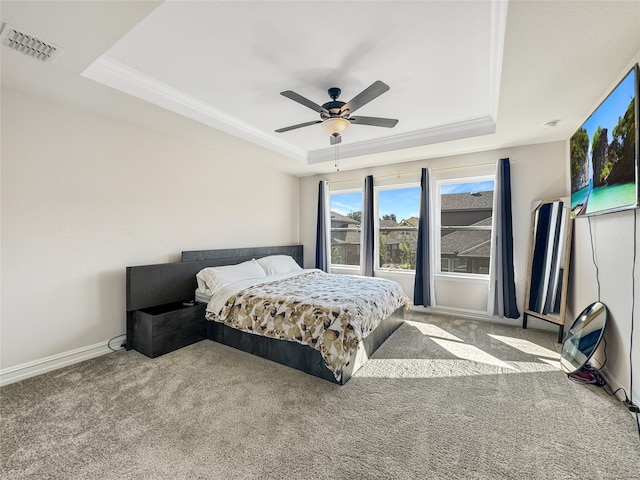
column 334, row 140
column 300, row 125
column 374, row 121
column 304, row 101
column 373, row 91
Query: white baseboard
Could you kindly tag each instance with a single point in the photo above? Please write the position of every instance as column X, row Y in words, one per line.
column 484, row 316
column 47, row 364
column 614, row 384
column 463, row 312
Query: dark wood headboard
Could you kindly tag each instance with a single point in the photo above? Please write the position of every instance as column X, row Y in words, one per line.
column 151, row 285
column 237, row 255
column 164, row 283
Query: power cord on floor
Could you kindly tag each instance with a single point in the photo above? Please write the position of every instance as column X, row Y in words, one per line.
column 633, row 408
column 594, row 373
column 111, row 340
column 633, row 310
column 593, row 257
column 590, row 375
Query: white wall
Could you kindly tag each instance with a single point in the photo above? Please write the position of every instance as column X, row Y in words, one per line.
column 84, row 196
column 613, row 237
column 537, row 172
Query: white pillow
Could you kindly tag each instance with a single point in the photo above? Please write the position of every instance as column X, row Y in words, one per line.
column 278, row 264
column 212, row 278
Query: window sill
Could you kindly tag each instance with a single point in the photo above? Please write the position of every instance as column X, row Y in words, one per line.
column 345, row 268
column 461, row 277
column 394, row 271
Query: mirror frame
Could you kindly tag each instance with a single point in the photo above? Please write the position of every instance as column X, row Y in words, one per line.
column 564, row 253
column 596, row 312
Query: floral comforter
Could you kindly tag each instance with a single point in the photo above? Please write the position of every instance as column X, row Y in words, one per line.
column 328, row 312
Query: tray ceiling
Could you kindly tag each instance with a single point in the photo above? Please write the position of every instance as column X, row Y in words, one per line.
column 464, row 76
column 225, row 63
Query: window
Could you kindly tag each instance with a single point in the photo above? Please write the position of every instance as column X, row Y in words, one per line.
column 346, row 215
column 465, row 208
column 398, row 210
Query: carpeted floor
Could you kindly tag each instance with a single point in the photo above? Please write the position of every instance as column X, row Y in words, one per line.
column 443, row 398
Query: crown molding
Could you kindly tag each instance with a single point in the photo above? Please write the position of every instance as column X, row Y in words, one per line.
column 498, row 29
column 125, row 79
column 121, row 77
column 442, row 133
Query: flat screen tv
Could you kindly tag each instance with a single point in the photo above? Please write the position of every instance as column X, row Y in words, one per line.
column 604, row 154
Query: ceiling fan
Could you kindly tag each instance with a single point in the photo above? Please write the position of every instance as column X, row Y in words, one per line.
column 335, row 115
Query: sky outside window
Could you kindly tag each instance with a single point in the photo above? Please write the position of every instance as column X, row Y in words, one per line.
column 469, row 187
column 345, row 203
column 403, row 202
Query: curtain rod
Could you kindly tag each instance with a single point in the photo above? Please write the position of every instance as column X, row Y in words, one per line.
column 398, row 175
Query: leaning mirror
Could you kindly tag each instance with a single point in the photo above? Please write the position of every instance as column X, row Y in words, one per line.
column 583, row 338
column 548, row 267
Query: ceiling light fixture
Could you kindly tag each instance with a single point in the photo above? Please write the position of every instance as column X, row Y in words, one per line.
column 335, row 126
column 551, row 123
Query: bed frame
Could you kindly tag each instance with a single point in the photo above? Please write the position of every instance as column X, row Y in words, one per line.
column 152, row 286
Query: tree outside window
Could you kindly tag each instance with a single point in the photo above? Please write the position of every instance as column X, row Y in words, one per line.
column 464, row 220
column 398, row 227
column 346, row 216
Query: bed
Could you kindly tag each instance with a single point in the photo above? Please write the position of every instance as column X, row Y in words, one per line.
column 318, row 341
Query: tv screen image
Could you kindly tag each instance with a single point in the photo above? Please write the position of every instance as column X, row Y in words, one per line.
column 604, row 154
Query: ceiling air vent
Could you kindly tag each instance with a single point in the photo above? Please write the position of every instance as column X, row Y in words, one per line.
column 28, row 44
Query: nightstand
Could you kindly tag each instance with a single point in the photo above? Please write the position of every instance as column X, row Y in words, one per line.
column 165, row 328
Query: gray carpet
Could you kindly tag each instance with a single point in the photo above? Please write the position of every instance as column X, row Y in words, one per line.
column 442, row 398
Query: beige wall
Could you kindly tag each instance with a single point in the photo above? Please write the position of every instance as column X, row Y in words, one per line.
column 84, row 196
column 613, row 237
column 537, row 172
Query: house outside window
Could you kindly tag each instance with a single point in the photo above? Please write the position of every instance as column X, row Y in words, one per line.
column 398, row 209
column 465, row 213
column 346, row 216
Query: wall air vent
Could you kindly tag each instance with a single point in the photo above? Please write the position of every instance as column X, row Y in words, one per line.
column 28, row 44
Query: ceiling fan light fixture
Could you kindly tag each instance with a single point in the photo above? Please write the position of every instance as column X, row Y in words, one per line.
column 335, row 126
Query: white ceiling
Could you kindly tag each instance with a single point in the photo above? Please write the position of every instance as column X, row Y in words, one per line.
column 463, row 76
column 226, row 65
